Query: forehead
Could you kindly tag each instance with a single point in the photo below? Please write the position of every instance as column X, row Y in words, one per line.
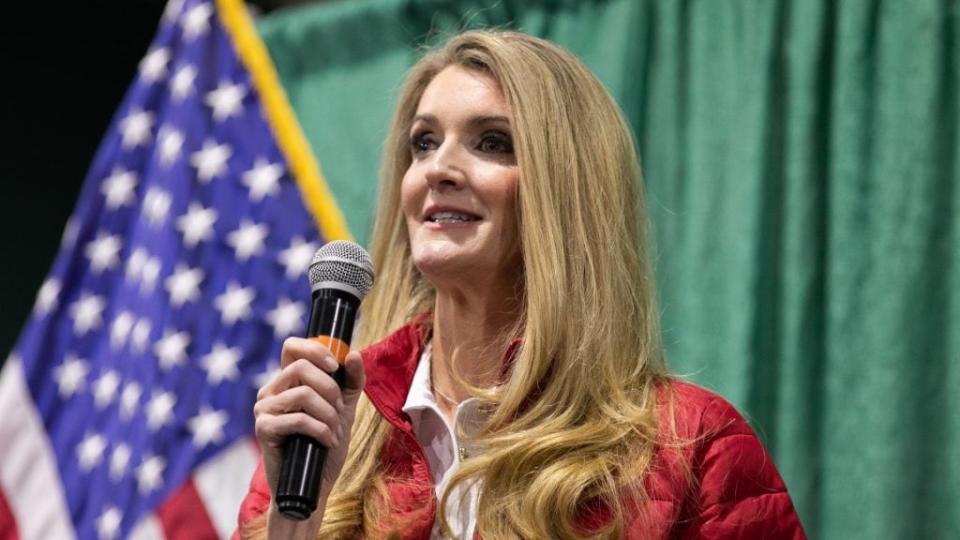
column 462, row 92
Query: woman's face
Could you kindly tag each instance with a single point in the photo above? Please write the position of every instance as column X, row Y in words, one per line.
column 459, row 194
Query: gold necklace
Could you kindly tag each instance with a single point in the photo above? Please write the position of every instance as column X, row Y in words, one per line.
column 433, row 388
column 436, row 391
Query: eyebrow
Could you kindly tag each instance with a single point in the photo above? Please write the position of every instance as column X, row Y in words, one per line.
column 475, row 121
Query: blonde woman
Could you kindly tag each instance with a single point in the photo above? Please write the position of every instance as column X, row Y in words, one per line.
column 514, row 384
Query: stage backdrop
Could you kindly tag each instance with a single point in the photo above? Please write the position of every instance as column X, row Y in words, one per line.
column 802, row 165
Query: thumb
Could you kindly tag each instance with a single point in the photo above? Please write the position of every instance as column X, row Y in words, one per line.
column 354, row 380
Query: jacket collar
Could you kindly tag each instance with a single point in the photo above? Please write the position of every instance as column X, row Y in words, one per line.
column 390, row 365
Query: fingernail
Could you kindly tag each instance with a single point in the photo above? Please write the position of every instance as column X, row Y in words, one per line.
column 331, row 363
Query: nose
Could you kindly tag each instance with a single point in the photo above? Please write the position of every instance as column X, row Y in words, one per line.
column 445, row 170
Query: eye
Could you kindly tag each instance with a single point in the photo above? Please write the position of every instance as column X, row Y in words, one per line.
column 421, row 142
column 496, row 142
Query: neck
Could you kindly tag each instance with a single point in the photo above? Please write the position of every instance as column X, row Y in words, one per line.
column 469, row 333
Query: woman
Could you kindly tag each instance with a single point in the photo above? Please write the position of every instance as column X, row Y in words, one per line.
column 521, row 390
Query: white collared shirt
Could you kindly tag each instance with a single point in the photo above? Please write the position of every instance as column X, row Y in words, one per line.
column 442, row 448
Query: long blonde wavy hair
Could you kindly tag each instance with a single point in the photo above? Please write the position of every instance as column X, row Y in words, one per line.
column 591, row 351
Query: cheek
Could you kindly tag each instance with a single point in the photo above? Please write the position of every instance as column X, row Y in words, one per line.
column 410, row 198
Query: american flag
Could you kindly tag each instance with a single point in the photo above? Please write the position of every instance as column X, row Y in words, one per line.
column 126, row 403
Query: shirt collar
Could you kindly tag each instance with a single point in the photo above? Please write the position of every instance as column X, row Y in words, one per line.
column 420, row 395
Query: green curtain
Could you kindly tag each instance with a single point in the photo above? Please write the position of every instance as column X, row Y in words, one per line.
column 801, row 161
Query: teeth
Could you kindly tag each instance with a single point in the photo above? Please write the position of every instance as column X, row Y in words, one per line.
column 450, row 217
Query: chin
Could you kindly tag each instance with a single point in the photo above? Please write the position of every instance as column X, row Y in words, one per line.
column 434, row 257
column 445, row 261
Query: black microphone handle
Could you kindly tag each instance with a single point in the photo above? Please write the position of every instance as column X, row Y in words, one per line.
column 332, row 315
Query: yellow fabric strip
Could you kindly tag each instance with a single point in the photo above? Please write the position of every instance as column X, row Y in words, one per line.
column 293, row 144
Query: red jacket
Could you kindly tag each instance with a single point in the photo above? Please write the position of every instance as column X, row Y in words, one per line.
column 736, row 490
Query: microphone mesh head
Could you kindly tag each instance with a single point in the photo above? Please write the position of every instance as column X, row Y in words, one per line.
column 344, row 265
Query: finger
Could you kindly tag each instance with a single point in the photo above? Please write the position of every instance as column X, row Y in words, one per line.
column 299, row 399
column 304, row 373
column 355, row 378
column 274, row 429
column 295, row 348
column 268, row 387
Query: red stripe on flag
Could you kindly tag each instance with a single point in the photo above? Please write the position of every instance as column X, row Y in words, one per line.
column 8, row 525
column 184, row 517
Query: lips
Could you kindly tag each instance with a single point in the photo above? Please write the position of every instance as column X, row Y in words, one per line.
column 442, row 215
column 450, row 217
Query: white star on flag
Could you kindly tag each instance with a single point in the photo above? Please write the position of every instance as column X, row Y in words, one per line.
column 197, row 224
column 196, row 21
column 71, row 376
column 182, row 82
column 105, row 388
column 156, row 204
column 226, row 100
column 120, row 329
column 118, row 188
column 153, row 67
column 129, row 399
column 140, row 334
column 70, row 232
column 184, row 284
column 296, row 258
column 160, row 410
column 135, row 264
column 90, row 451
column 211, row 160
column 262, row 179
column 171, row 350
column 234, row 303
column 103, row 252
column 149, row 273
column 247, row 239
column 172, row 11
column 47, row 297
column 87, row 313
column 150, row 474
column 119, row 460
column 108, row 523
column 286, row 318
column 221, row 363
column 135, row 128
column 207, row 426
column 169, row 144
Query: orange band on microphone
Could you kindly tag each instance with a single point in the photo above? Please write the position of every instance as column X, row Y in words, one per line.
column 338, row 348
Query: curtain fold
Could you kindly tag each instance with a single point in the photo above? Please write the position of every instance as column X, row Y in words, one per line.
column 801, row 162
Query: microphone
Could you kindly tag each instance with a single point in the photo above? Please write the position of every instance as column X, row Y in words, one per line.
column 341, row 274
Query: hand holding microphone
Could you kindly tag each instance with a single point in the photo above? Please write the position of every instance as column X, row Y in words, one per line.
column 304, row 415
